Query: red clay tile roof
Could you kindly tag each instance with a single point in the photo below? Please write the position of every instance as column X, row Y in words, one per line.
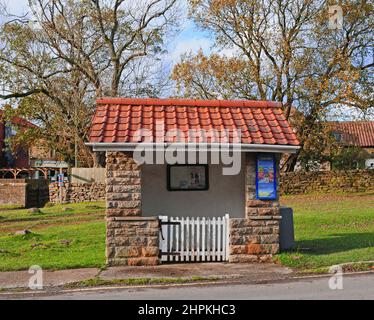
column 355, row 133
column 117, row 120
column 19, row 121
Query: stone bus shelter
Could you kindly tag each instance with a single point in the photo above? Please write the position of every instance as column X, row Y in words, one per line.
column 138, row 193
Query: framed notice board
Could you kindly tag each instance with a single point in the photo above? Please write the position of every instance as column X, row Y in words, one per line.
column 187, row 177
column 266, row 177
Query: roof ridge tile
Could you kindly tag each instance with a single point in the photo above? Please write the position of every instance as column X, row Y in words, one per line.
column 188, row 102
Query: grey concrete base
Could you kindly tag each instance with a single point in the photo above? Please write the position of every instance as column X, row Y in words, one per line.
column 20, row 279
column 356, row 287
column 249, row 271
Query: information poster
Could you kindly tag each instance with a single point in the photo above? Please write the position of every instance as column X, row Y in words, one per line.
column 188, row 178
column 266, row 184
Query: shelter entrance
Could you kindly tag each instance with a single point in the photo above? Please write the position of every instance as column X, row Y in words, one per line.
column 196, row 239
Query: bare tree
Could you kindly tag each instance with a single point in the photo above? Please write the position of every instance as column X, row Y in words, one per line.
column 106, row 36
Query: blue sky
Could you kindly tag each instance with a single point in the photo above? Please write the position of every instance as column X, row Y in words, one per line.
column 189, row 38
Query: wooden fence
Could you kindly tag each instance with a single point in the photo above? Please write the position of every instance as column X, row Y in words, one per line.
column 87, row 175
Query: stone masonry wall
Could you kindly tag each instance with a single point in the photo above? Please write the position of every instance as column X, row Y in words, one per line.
column 75, row 193
column 24, row 192
column 131, row 238
column 255, row 238
column 290, row 183
column 13, row 192
column 327, row 181
column 132, row 241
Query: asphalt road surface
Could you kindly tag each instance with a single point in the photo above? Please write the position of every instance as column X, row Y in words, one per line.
column 354, row 287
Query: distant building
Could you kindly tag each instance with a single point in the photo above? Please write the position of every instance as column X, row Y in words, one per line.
column 29, row 158
column 356, row 134
column 20, row 158
column 42, row 157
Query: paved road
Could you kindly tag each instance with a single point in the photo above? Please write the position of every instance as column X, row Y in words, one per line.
column 354, row 287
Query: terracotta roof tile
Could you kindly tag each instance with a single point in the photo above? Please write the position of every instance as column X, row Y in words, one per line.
column 355, row 133
column 259, row 122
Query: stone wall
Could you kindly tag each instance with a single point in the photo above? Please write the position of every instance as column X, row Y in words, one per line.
column 326, row 181
column 255, row 238
column 24, row 192
column 132, row 241
column 13, row 192
column 131, row 238
column 75, row 193
column 290, row 183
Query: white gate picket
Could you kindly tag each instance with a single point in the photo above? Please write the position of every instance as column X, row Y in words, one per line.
column 214, row 238
column 203, row 254
column 194, row 239
column 219, row 236
column 193, row 249
column 171, row 243
column 210, row 240
column 177, row 239
column 182, row 239
column 187, row 240
column 224, row 244
column 197, row 239
column 227, row 236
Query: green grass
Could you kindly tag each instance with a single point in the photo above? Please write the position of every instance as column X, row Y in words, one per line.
column 330, row 229
column 10, row 207
column 59, row 239
column 97, row 282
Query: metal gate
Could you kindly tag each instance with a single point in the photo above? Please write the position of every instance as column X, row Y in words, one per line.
column 194, row 239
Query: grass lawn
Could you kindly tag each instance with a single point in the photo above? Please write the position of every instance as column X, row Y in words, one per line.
column 59, row 239
column 330, row 229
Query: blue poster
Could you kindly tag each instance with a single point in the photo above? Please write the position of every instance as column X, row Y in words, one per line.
column 266, row 184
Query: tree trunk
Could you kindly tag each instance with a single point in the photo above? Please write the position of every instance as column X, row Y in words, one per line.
column 291, row 162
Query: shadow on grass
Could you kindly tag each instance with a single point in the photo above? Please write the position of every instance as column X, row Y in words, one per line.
column 336, row 243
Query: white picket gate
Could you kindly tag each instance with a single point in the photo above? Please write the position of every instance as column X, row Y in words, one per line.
column 194, row 239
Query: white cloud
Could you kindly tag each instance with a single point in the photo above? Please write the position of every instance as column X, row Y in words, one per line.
column 17, row 7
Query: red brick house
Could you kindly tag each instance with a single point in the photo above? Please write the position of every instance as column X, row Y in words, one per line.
column 355, row 133
column 21, row 158
column 163, row 207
